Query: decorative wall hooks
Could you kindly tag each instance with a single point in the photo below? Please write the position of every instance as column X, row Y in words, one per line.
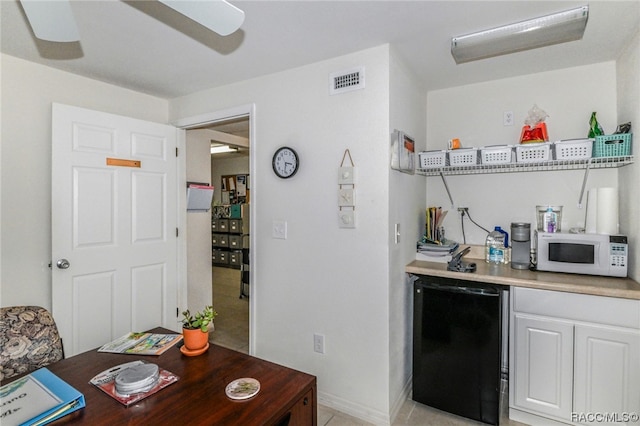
column 346, row 193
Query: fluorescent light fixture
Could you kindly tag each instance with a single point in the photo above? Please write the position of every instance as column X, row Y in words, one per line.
column 221, row 149
column 538, row 32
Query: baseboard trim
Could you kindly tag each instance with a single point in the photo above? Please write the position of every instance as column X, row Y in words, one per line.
column 367, row 414
column 532, row 419
column 355, row 410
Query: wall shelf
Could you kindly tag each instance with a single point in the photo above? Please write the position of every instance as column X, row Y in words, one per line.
column 587, row 163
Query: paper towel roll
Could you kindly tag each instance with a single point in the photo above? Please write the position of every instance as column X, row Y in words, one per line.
column 607, row 211
column 592, row 211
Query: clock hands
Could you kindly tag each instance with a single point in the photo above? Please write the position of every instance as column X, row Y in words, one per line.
column 285, row 162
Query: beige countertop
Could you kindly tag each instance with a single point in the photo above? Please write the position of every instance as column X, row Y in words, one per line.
column 505, row 275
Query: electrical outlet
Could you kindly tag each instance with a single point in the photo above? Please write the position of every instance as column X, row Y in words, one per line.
column 507, row 118
column 318, row 343
column 463, row 209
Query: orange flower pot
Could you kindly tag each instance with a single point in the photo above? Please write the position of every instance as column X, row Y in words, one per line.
column 195, row 339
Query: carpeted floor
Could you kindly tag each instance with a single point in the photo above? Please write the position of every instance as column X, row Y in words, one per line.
column 232, row 323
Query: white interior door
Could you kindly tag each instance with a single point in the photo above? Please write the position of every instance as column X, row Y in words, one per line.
column 114, row 243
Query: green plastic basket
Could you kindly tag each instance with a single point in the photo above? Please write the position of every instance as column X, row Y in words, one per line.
column 612, row 145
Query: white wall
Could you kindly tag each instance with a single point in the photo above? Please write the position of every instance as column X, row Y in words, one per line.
column 628, row 79
column 321, row 279
column 28, row 91
column 474, row 114
column 199, row 275
column 407, row 199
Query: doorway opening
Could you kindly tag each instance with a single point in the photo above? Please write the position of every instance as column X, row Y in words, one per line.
column 231, row 217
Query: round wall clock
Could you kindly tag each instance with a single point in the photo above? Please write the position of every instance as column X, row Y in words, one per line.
column 285, row 162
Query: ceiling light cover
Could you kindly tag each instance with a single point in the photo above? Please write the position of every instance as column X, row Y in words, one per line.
column 538, row 32
column 221, row 149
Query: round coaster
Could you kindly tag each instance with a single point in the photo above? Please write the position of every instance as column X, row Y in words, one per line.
column 242, row 388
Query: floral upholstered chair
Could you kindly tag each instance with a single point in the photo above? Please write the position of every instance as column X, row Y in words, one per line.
column 29, row 340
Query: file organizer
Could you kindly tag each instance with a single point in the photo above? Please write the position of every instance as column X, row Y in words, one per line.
column 199, row 197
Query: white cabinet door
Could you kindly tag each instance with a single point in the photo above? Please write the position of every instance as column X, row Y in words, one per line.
column 607, row 372
column 543, row 365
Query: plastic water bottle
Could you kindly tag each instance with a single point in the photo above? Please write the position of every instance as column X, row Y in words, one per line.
column 550, row 220
column 496, row 246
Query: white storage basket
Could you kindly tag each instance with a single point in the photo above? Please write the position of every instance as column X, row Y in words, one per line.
column 432, row 159
column 498, row 154
column 463, row 157
column 533, row 152
column 573, row 149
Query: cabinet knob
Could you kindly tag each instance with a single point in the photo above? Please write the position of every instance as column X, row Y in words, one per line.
column 305, row 401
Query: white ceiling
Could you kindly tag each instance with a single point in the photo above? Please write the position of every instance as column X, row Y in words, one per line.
column 145, row 46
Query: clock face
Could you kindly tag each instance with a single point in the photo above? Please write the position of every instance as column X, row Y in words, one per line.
column 285, row 162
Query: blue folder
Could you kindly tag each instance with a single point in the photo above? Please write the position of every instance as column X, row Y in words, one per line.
column 20, row 399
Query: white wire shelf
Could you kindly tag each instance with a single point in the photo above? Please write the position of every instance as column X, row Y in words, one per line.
column 543, row 166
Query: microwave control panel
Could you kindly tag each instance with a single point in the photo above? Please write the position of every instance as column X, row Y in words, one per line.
column 618, row 254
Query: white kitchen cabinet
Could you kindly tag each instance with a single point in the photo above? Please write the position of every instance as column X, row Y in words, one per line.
column 544, row 359
column 573, row 357
column 607, row 370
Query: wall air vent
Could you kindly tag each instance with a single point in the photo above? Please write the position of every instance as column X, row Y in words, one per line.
column 346, row 81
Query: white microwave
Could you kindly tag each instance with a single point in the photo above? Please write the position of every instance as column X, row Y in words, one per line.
column 592, row 254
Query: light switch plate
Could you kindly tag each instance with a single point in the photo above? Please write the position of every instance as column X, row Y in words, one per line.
column 347, row 218
column 346, row 176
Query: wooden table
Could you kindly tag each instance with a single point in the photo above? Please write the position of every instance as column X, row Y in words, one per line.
column 198, row 398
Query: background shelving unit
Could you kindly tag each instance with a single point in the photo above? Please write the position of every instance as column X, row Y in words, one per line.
column 229, row 235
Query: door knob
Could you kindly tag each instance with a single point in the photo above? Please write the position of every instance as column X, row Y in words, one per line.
column 63, row 264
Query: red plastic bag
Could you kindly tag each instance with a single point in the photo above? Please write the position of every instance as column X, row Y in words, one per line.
column 536, row 134
column 534, row 129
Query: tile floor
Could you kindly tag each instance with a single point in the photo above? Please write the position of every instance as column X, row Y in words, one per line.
column 232, row 331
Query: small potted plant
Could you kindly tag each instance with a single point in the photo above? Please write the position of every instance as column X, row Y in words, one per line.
column 195, row 328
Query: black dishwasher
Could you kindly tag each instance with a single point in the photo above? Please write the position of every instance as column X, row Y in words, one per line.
column 457, row 347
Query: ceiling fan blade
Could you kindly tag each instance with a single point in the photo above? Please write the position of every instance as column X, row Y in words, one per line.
column 51, row 20
column 217, row 15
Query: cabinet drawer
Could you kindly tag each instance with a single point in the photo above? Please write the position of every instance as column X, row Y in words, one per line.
column 235, row 257
column 223, row 225
column 220, row 256
column 220, row 240
column 578, row 307
column 235, row 241
column 235, row 225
